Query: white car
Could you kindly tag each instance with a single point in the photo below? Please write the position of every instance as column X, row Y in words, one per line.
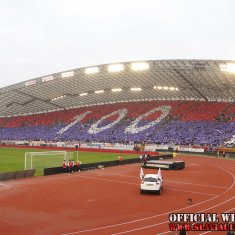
column 151, row 183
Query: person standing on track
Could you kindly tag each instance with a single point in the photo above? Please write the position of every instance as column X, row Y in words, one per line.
column 64, row 166
column 224, row 154
column 145, row 159
column 120, row 159
column 78, row 165
column 70, row 166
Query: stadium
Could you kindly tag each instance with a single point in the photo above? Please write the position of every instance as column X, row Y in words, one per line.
column 154, row 106
column 151, row 101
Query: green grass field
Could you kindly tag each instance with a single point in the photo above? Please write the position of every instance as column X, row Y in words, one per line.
column 13, row 159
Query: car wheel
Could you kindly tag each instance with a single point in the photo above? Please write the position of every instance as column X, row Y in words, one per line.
column 141, row 191
column 159, row 192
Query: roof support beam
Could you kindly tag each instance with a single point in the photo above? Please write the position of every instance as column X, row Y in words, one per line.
column 34, row 97
column 186, row 80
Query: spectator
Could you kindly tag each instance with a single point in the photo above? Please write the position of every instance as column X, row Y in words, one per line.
column 230, row 233
column 145, row 159
column 64, row 166
column 70, row 166
column 120, row 159
column 148, row 156
column 182, row 232
column 78, row 165
column 224, row 154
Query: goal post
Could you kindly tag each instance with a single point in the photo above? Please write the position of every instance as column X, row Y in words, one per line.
column 41, row 160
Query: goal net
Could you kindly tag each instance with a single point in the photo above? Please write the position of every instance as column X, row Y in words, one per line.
column 41, row 160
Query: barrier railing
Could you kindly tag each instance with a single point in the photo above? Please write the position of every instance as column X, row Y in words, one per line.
column 96, row 165
column 16, row 174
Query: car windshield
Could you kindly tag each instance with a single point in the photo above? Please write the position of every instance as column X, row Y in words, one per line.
column 150, row 179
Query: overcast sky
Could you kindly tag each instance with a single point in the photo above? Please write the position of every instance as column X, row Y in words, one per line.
column 40, row 37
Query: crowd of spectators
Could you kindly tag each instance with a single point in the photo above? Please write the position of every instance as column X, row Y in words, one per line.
column 185, row 123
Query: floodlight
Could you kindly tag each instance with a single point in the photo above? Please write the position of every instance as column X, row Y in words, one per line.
column 166, row 88
column 115, row 67
column 230, row 67
column 100, row 91
column 116, row 89
column 91, row 70
column 138, row 66
column 30, row 83
column 136, row 89
column 58, row 98
column 82, row 94
column 157, row 87
column 48, row 78
column 67, row 74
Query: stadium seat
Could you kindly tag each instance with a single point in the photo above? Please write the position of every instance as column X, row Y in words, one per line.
column 187, row 123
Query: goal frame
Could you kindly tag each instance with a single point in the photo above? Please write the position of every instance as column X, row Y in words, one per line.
column 31, row 154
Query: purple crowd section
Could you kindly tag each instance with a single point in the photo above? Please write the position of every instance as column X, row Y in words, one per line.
column 204, row 125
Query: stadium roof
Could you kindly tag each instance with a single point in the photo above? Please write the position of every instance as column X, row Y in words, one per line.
column 204, row 80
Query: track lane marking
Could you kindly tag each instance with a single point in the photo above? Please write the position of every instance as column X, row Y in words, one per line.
column 154, row 216
column 124, row 182
column 178, row 182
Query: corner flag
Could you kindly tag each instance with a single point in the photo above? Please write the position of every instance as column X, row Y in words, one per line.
column 141, row 173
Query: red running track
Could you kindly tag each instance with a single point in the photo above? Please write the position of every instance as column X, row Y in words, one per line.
column 108, row 201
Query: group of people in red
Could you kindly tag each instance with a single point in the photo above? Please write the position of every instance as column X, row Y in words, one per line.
column 70, row 166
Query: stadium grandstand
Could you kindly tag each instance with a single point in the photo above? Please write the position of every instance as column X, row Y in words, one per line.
column 162, row 102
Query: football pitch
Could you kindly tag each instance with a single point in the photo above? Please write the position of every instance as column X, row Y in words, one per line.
column 13, row 159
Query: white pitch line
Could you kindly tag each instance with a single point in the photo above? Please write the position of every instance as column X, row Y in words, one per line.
column 124, row 182
column 153, row 225
column 116, row 181
column 204, row 185
column 208, row 194
column 218, row 204
column 165, row 232
column 129, row 222
column 233, row 209
column 178, row 182
column 155, row 216
column 133, row 230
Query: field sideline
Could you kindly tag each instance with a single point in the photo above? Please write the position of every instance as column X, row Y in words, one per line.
column 13, row 159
